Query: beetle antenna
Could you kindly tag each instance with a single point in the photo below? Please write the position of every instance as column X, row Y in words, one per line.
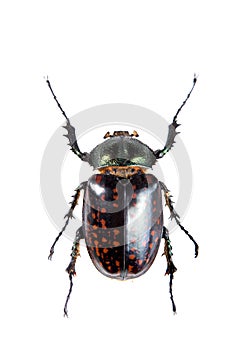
column 55, row 98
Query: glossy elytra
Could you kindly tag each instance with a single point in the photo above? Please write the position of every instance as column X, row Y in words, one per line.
column 122, row 205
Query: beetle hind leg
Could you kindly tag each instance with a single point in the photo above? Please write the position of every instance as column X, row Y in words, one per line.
column 171, row 269
column 71, row 267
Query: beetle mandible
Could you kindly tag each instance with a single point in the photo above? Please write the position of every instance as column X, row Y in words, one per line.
column 122, row 205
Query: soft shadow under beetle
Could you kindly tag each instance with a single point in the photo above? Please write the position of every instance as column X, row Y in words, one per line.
column 122, row 206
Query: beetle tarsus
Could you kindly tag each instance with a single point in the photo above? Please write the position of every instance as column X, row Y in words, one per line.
column 51, row 253
column 171, row 294
column 71, row 267
column 70, row 129
column 175, row 216
column 68, row 296
column 191, row 237
column 173, row 126
column 69, row 216
column 171, row 269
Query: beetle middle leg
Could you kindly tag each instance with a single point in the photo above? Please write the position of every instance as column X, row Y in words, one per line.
column 175, row 216
column 171, row 269
column 68, row 216
column 71, row 267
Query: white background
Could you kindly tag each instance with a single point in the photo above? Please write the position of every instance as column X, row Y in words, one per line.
column 96, row 52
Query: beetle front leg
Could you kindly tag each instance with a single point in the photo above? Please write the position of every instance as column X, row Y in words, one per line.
column 175, row 216
column 70, row 129
column 171, row 269
column 71, row 267
column 68, row 216
column 173, row 126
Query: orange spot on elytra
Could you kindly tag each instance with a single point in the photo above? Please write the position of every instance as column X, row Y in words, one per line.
column 96, row 242
column 95, row 235
column 103, row 210
column 105, row 250
column 97, row 252
column 144, row 243
column 140, row 262
column 132, row 256
column 130, row 268
column 152, row 233
column 154, row 202
column 116, row 244
column 104, row 240
column 151, row 245
column 156, row 239
column 93, row 215
column 115, row 190
column 134, row 195
column 116, row 232
column 103, row 197
column 94, row 227
column 115, row 205
column 117, row 263
column 103, row 223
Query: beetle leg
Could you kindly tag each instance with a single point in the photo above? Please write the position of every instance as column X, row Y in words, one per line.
column 68, row 216
column 175, row 216
column 171, row 269
column 70, row 129
column 173, row 126
column 71, row 267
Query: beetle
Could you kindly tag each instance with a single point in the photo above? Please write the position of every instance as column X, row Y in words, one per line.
column 122, row 216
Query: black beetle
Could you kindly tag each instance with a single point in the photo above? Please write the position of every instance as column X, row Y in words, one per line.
column 122, row 205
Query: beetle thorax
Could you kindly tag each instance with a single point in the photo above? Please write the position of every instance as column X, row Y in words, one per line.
column 122, row 171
